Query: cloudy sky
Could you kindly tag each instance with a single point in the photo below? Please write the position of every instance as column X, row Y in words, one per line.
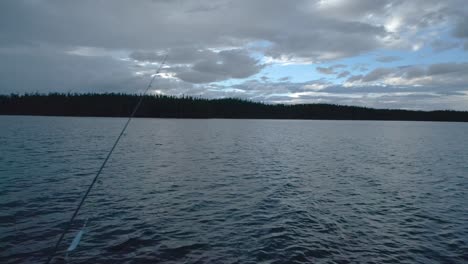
column 379, row 53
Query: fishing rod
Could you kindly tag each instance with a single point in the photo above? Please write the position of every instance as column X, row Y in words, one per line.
column 98, row 173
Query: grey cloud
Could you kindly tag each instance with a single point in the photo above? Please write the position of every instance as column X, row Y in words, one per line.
column 425, row 97
column 257, row 89
column 320, row 46
column 155, row 25
column 377, row 74
column 178, row 55
column 146, row 56
column 388, row 58
column 394, row 89
column 355, row 78
column 354, row 8
column 413, row 72
column 45, row 70
column 441, row 74
column 343, row 74
column 439, row 45
column 197, row 35
column 204, row 66
column 331, row 69
column 303, row 29
column 410, row 97
column 414, row 97
column 325, row 70
column 461, row 28
column 361, row 67
column 225, row 65
column 231, row 63
column 115, row 24
column 198, row 77
column 338, row 66
column 444, row 68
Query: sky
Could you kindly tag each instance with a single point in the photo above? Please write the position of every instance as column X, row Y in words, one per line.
column 373, row 53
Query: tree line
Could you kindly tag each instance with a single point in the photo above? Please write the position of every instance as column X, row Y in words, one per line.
column 163, row 106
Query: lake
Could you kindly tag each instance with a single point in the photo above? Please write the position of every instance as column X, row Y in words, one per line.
column 235, row 191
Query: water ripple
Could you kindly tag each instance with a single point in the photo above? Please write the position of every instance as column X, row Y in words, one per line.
column 235, row 191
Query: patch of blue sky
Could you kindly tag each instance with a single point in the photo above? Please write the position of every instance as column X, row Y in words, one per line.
column 360, row 64
column 295, row 72
column 259, row 45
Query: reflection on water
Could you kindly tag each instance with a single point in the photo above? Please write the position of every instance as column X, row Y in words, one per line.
column 236, row 191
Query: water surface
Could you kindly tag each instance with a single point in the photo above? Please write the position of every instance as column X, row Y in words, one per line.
column 235, row 191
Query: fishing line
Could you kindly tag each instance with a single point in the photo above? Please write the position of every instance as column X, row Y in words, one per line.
column 135, row 109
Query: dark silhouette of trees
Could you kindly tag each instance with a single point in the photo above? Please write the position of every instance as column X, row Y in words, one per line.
column 120, row 105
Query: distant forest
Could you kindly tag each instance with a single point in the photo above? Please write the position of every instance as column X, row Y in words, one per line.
column 121, row 105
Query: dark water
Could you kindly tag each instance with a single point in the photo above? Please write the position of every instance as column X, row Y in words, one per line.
column 236, row 191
